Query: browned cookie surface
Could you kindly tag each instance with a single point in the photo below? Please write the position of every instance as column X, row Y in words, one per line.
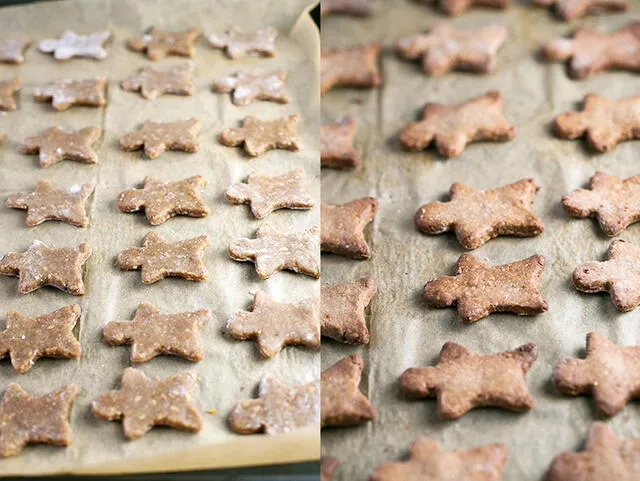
column 343, row 308
column 342, row 227
column 65, row 93
column 570, row 9
column 152, row 83
column 156, row 137
column 55, row 144
column 350, row 67
column 12, row 51
column 158, row 43
column 328, row 466
column 245, row 87
column 237, row 43
column 257, row 136
column 456, row 7
column 8, row 88
column 336, row 144
column 356, row 8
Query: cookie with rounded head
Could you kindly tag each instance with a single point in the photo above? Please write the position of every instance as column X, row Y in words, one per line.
column 336, row 139
column 355, row 66
column 570, row 9
column 342, row 227
column 456, row 7
column 258, row 136
column 343, row 308
column 158, row 43
column 237, row 43
column 70, row 45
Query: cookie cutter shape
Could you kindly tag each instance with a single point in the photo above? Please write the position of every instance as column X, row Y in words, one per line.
column 237, row 43
column 268, row 193
column 477, row 216
column 278, row 409
column 246, row 87
column 152, row 83
column 342, row 402
column 427, row 460
column 452, row 127
column 159, row 258
column 7, row 90
column 41, row 266
column 12, row 51
column 355, row 66
column 156, row 137
column 70, row 45
column 570, row 9
column 29, row 420
column 356, row 8
column 343, row 310
column 328, row 466
column 463, row 380
column 55, row 144
column 258, row 136
column 342, row 227
column 619, row 275
column 446, row 47
column 273, row 251
column 143, row 402
column 336, row 139
column 66, row 93
column 151, row 333
column 456, row 7
column 479, row 289
column 158, row 43
column 47, row 202
column 162, row 200
column 275, row 325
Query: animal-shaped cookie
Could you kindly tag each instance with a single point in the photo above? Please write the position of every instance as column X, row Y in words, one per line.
column 8, row 89
column 356, row 8
column 70, row 44
column 257, row 136
column 156, row 137
column 355, row 66
column 336, row 149
column 55, row 144
column 570, row 9
column 246, row 87
column 343, row 310
column 456, row 7
column 342, row 227
column 12, row 51
column 65, row 93
column 158, row 43
column 237, row 43
column 153, row 83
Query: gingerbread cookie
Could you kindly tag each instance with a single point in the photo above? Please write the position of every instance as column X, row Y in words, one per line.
column 273, row 251
column 342, row 227
column 570, row 9
column 336, row 149
column 356, row 8
column 446, row 48
column 328, row 466
column 342, row 402
column 278, row 409
column 48, row 203
column 66, row 93
column 28, row 420
column 237, row 43
column 246, row 87
column 55, row 144
column 477, row 216
column 350, row 67
column 41, row 266
column 452, row 127
column 456, row 7
column 619, row 275
column 73, row 45
column 12, row 51
column 275, row 325
column 27, row 339
column 266, row 194
column 158, row 43
column 159, row 258
column 143, row 402
column 343, row 310
column 258, row 136
column 151, row 333
column 479, row 289
column 153, row 83
column 156, row 137
column 162, row 200
column 7, row 90
column 463, row 380
column 427, row 460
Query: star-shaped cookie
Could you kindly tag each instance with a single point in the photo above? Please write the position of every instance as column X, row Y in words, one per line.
column 446, row 47
column 355, row 66
column 12, row 51
column 156, row 137
column 428, row 461
column 151, row 333
column 258, row 136
column 452, row 127
column 619, row 275
column 477, row 216
column 343, row 310
column 268, row 193
column 479, row 289
column 41, row 266
column 153, row 83
column 70, row 44
column 342, row 227
column 463, row 380
column 336, row 149
column 275, row 325
column 273, row 251
column 342, row 402
column 7, row 90
column 47, row 202
column 162, row 200
column 237, row 43
column 29, row 420
column 158, row 43
column 66, row 93
column 246, row 87
column 456, row 7
column 570, row 9
column 159, row 258
column 143, row 402
column 55, row 144
column 356, row 8
column 279, row 408
column 27, row 339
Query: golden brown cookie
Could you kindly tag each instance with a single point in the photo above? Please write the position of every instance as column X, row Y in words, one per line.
column 70, row 45
column 156, row 137
column 273, row 251
column 350, row 67
column 258, row 136
column 343, row 310
column 48, row 203
column 162, row 200
column 153, row 83
column 12, row 51
column 478, row 289
column 27, row 339
column 158, row 43
column 27, row 420
column 246, row 87
column 356, row 8
column 452, row 127
column 477, row 216
column 41, row 266
column 463, row 380
column 570, row 9
column 55, row 144
column 456, row 7
column 159, row 258
column 237, row 43
column 7, row 90
column 278, row 409
column 336, row 140
column 268, row 193
column 342, row 227
column 66, row 93
column 143, row 402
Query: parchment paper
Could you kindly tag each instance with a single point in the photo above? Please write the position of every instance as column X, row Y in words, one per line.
column 231, row 369
column 404, row 331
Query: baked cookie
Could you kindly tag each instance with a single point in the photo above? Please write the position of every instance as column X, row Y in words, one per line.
column 12, row 51
column 237, row 43
column 246, row 87
column 456, row 7
column 342, row 227
column 350, row 67
column 65, row 93
column 70, row 45
column 55, row 144
column 570, row 9
column 158, row 43
column 336, row 149
column 156, row 137
column 152, row 83
column 8, row 89
column 343, row 308
column 328, row 466
column 257, row 136
column 355, row 8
